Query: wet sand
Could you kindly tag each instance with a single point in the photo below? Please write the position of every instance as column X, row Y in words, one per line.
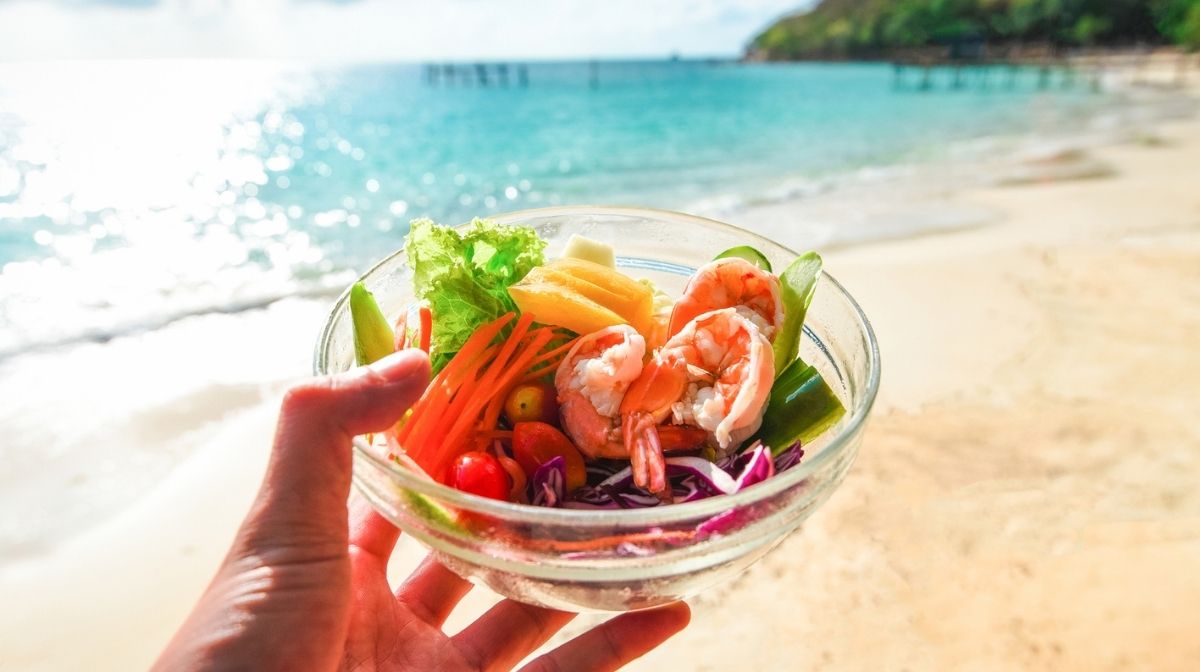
column 1026, row 493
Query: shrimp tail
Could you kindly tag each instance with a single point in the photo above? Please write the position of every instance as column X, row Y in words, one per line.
column 640, row 434
column 678, row 438
column 662, row 382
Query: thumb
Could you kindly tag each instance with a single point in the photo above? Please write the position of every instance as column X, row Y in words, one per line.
column 308, row 477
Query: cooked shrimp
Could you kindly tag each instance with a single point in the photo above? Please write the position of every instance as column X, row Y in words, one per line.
column 647, row 403
column 729, row 283
column 716, row 374
column 591, row 384
column 730, row 368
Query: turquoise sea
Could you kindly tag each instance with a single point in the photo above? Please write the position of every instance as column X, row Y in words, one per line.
column 134, row 193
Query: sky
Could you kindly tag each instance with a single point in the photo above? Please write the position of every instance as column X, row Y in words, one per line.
column 357, row 30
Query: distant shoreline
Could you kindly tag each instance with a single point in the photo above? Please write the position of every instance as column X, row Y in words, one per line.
column 998, row 54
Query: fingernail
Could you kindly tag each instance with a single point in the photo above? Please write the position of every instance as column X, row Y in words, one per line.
column 400, row 366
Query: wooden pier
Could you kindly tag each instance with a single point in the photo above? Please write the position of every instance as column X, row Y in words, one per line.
column 928, row 70
column 501, row 75
column 927, row 74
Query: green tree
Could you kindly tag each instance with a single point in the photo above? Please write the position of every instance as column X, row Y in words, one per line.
column 1179, row 21
column 856, row 28
column 1089, row 29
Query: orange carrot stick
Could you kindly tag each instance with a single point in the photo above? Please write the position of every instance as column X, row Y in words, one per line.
column 458, row 417
column 429, row 408
column 521, row 365
column 545, row 367
column 548, row 361
column 477, row 343
column 418, row 409
column 491, row 415
column 487, row 391
column 426, row 321
column 437, row 396
column 540, row 371
column 434, row 414
column 555, row 353
column 507, row 376
column 448, row 381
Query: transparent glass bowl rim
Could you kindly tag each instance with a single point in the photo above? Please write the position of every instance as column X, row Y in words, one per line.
column 658, row 515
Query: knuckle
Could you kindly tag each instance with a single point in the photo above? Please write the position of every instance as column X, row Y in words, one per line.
column 307, row 394
column 612, row 644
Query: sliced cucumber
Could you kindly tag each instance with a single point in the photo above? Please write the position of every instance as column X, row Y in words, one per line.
column 438, row 515
column 749, row 254
column 373, row 336
column 800, row 408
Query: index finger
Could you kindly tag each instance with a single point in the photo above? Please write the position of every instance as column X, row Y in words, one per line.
column 616, row 642
column 369, row 531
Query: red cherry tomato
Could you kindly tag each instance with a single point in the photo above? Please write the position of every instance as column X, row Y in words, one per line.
column 480, row 474
column 534, row 443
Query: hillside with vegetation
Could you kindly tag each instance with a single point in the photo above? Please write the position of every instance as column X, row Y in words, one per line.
column 848, row 29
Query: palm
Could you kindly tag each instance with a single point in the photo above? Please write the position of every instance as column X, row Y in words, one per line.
column 402, row 630
column 387, row 633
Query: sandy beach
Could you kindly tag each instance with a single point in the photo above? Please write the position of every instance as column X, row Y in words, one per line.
column 1025, row 497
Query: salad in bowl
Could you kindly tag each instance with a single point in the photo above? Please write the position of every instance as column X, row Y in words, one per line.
column 605, row 429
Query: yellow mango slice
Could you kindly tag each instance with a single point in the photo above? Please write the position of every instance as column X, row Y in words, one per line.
column 625, row 296
column 554, row 304
column 588, row 283
column 603, row 276
column 543, row 275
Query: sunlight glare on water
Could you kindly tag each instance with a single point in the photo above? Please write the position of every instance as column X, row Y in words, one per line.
column 133, row 193
column 139, row 178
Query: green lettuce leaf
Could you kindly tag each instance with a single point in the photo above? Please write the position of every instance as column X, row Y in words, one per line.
column 465, row 276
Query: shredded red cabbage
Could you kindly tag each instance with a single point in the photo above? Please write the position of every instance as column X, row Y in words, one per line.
column 789, row 458
column 691, row 478
column 547, row 486
column 753, row 466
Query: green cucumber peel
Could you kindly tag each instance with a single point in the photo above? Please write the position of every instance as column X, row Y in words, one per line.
column 373, row 336
column 797, row 283
column 801, row 405
column 800, row 408
column 749, row 254
column 436, row 514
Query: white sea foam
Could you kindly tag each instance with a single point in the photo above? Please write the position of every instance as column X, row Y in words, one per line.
column 89, row 428
column 876, row 202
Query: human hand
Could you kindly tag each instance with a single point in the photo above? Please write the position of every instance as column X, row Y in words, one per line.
column 304, row 586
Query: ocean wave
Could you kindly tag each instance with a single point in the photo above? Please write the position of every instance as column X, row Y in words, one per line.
column 260, row 187
column 909, row 196
column 92, row 428
column 102, row 323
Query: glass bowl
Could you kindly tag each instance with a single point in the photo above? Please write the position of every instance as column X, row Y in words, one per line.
column 620, row 560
